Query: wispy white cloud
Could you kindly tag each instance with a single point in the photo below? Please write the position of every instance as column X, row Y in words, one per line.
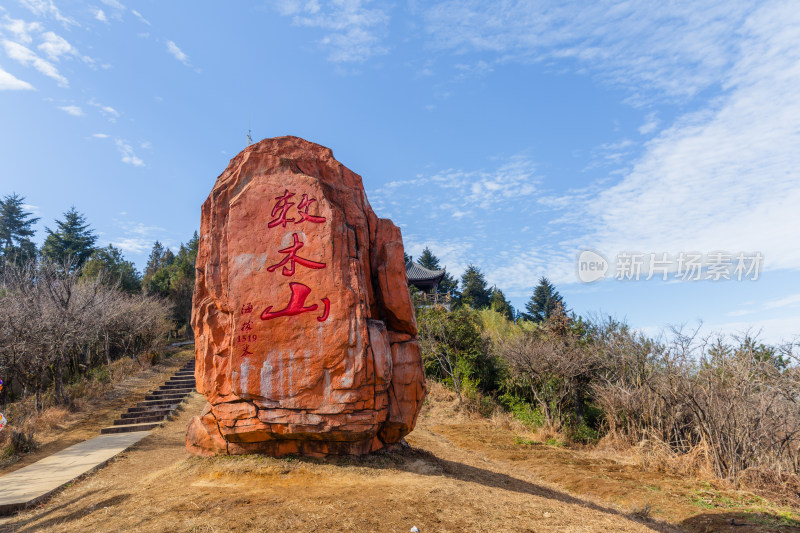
column 114, row 4
column 109, row 112
column 473, row 191
column 35, row 209
column 128, row 155
column 73, row 110
column 140, row 17
column 27, row 57
column 177, row 53
column 353, row 31
column 133, row 245
column 22, row 30
column 672, row 48
column 55, row 46
column 100, row 15
column 8, row 82
column 137, row 237
column 46, row 8
column 725, row 177
column 650, row 125
column 791, row 300
column 477, row 70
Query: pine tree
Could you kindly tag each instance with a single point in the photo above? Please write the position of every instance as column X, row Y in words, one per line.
column 193, row 245
column 449, row 285
column 428, row 260
column 543, row 302
column 73, row 239
column 474, row 291
column 15, row 230
column 154, row 260
column 499, row 303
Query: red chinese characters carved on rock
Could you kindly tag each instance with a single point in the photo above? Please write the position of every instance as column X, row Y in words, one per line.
column 281, row 210
column 300, row 291
column 292, row 258
column 296, row 305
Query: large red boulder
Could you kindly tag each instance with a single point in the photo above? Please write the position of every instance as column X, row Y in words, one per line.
column 304, row 329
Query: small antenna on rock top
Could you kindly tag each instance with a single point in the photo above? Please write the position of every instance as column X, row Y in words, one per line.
column 249, row 138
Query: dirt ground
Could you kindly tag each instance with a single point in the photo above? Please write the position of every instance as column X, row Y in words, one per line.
column 460, row 474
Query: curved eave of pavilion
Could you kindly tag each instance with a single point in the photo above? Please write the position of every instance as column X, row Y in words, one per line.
column 419, row 274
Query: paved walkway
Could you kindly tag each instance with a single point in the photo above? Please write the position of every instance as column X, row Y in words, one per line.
column 32, row 483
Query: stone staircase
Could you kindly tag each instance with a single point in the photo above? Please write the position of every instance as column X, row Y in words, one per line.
column 157, row 404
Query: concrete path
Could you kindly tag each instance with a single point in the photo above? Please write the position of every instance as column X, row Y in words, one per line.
column 32, row 483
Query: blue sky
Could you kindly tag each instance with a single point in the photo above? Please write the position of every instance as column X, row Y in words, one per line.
column 512, row 135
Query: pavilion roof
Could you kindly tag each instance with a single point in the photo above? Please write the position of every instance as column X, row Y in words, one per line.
column 417, row 272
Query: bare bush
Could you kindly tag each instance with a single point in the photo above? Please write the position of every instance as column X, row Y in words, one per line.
column 735, row 403
column 55, row 325
column 552, row 365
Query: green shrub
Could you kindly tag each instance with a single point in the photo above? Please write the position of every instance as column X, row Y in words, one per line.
column 523, row 411
column 585, row 434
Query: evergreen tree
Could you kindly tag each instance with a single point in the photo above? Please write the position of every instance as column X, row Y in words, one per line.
column 154, row 259
column 112, row 263
column 181, row 282
column 543, row 302
column 428, row 260
column 499, row 303
column 193, row 245
column 474, row 291
column 172, row 277
column 73, row 238
column 168, row 258
column 449, row 284
column 15, row 230
column 156, row 275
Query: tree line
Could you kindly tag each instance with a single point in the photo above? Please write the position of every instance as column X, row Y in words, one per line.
column 475, row 292
column 70, row 306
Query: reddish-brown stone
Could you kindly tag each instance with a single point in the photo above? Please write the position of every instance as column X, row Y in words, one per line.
column 304, row 329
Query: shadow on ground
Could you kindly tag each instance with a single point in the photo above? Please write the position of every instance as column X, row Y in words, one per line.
column 423, row 462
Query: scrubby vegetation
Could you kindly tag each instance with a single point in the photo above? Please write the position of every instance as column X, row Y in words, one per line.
column 713, row 407
column 724, row 408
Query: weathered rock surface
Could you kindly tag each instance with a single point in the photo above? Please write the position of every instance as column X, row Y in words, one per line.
column 304, row 330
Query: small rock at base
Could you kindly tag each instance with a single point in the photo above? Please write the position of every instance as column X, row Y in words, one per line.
column 414, row 529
